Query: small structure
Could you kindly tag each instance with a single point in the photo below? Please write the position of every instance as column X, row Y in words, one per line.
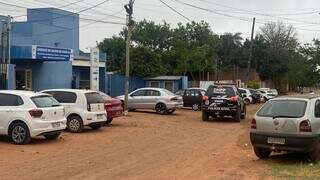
column 171, row 83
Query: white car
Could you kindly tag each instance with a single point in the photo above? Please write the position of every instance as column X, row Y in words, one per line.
column 82, row 108
column 246, row 94
column 25, row 114
column 289, row 124
column 267, row 95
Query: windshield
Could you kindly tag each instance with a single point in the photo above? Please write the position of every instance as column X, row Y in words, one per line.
column 283, row 108
column 105, row 96
column 93, row 98
column 45, row 101
column 168, row 92
column 221, row 91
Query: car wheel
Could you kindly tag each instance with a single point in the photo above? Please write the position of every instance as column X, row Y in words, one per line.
column 52, row 136
column 261, row 152
column 131, row 110
column 205, row 116
column 196, row 107
column 19, row 133
column 74, row 124
column 109, row 120
column 244, row 113
column 237, row 116
column 315, row 153
column 171, row 111
column 95, row 126
column 247, row 101
column 161, row 108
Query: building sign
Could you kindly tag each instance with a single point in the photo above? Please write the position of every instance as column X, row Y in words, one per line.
column 94, row 69
column 51, row 53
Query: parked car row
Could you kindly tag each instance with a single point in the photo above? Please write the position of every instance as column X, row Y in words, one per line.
column 26, row 114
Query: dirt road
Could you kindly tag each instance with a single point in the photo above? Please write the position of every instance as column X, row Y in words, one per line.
column 142, row 146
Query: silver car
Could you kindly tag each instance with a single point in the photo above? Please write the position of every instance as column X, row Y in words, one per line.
column 287, row 124
column 161, row 100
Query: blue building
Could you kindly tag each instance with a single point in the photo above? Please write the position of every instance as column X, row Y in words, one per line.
column 45, row 52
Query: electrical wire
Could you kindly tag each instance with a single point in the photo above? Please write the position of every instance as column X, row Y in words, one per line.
column 175, row 10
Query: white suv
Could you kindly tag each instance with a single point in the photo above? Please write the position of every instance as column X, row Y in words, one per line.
column 82, row 107
column 25, row 114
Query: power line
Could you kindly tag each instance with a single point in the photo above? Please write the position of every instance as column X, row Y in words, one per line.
column 175, row 10
column 257, row 13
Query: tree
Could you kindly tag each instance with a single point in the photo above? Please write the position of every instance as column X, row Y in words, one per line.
column 280, row 43
column 145, row 62
column 115, row 49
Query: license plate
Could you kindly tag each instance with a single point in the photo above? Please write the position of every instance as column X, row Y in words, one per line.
column 221, row 108
column 272, row 140
column 218, row 101
column 56, row 125
column 100, row 116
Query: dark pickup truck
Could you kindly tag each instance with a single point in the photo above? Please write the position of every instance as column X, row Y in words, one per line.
column 223, row 100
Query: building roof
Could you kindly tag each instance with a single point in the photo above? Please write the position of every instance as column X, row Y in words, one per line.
column 171, row 78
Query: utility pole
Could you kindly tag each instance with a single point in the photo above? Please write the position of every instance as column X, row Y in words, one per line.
column 5, row 41
column 129, row 9
column 251, row 49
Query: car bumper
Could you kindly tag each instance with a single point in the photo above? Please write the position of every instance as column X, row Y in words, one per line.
column 295, row 143
column 113, row 113
column 221, row 112
column 42, row 127
column 96, row 117
column 174, row 105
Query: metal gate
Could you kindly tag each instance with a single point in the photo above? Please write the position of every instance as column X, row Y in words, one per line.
column 3, row 75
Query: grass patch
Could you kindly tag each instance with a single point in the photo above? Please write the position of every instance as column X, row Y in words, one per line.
column 293, row 167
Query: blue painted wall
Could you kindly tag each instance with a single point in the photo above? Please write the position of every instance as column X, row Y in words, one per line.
column 115, row 84
column 49, row 74
column 48, row 27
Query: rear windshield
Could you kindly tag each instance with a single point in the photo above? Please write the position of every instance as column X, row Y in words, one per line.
column 167, row 92
column 221, row 91
column 45, row 101
column 93, row 98
column 283, row 108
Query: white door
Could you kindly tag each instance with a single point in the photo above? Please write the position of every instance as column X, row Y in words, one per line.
column 10, row 105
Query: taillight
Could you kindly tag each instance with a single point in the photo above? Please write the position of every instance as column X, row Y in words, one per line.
column 305, row 126
column 205, row 100
column 174, row 99
column 36, row 113
column 253, row 124
column 88, row 107
column 234, row 99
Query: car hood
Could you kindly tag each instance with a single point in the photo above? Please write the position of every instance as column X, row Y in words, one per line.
column 120, row 97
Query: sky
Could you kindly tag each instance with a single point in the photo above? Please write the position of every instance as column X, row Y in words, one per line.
column 222, row 15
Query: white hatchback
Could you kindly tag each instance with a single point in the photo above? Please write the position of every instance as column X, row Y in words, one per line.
column 82, row 108
column 25, row 114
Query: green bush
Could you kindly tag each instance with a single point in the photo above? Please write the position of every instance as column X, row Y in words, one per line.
column 253, row 85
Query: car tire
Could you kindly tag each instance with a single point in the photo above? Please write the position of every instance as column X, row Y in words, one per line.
column 171, row 111
column 315, row 153
column 161, row 108
column 205, row 116
column 19, row 133
column 74, row 124
column 95, row 126
column 244, row 113
column 262, row 153
column 109, row 120
column 131, row 110
column 247, row 101
column 52, row 136
column 237, row 116
column 196, row 107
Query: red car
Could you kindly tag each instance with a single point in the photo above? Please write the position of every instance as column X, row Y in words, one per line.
column 113, row 107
